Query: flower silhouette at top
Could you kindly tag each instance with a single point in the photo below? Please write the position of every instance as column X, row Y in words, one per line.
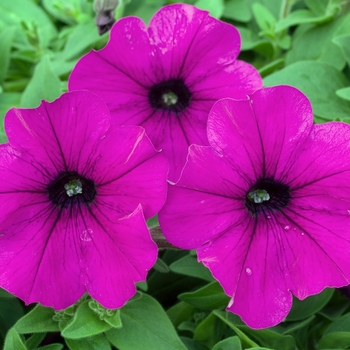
column 167, row 77
column 267, row 205
column 74, row 195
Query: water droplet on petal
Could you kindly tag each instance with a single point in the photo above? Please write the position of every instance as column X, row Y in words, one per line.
column 268, row 216
column 294, row 228
column 248, row 271
column 287, row 228
column 303, row 234
column 86, row 235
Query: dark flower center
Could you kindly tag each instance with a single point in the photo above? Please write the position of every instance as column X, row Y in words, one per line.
column 69, row 189
column 267, row 196
column 171, row 95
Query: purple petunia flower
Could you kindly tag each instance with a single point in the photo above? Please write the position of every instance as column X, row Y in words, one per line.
column 73, row 196
column 167, row 77
column 267, row 205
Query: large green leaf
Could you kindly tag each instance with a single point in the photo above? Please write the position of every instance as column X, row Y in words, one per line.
column 215, row 8
column 85, row 323
column 44, row 85
column 231, row 343
column 209, row 297
column 145, row 326
column 37, row 320
column 14, row 341
column 315, row 43
column 98, row 342
column 319, row 81
column 17, row 11
column 305, row 308
column 188, row 265
column 6, row 37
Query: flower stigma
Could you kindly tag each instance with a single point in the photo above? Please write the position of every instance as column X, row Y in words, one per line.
column 170, row 99
column 63, row 190
column 73, row 187
column 171, row 95
column 258, row 196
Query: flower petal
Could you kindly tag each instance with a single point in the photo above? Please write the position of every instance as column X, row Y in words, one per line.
column 133, row 174
column 58, row 132
column 180, row 32
column 264, row 132
column 119, row 258
column 207, row 204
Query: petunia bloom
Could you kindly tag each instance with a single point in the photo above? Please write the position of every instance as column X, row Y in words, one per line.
column 267, row 204
column 167, row 77
column 74, row 195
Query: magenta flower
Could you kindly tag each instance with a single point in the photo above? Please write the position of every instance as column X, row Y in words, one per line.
column 167, row 77
column 75, row 193
column 267, row 205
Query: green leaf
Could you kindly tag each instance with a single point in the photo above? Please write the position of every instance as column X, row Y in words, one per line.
column 290, row 327
column 10, row 311
column 37, row 320
column 85, row 323
column 316, row 43
column 215, row 8
column 17, row 11
column 145, row 326
column 34, row 340
column 210, row 330
column 63, row 10
column 180, row 312
column 192, row 344
column 189, row 266
column 81, row 39
column 51, row 347
column 343, row 41
column 319, row 81
column 305, row 308
column 112, row 317
column 270, row 338
column 231, row 343
column 233, row 321
column 161, row 266
column 98, row 342
column 44, row 85
column 209, row 297
column 300, row 17
column 340, row 325
column 14, row 341
column 336, row 340
column 6, row 37
column 5, row 294
column 237, row 10
column 264, row 18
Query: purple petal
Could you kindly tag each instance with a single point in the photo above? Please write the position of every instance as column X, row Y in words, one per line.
column 262, row 133
column 136, row 174
column 205, row 203
column 56, row 140
column 118, row 258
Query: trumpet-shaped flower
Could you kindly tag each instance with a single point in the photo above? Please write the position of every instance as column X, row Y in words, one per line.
column 267, row 204
column 167, row 77
column 74, row 195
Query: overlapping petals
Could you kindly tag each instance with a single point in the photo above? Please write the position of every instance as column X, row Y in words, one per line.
column 181, row 43
column 296, row 242
column 54, row 247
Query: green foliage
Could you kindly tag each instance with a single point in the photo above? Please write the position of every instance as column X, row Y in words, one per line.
column 145, row 319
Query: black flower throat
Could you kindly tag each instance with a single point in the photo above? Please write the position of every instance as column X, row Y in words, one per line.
column 267, row 196
column 171, row 95
column 69, row 189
